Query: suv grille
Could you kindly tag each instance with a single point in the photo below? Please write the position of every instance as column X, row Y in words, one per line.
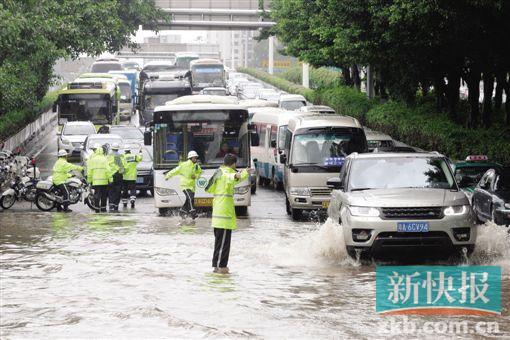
column 320, row 191
column 427, row 213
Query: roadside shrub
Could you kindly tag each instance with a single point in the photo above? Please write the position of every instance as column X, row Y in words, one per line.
column 319, row 77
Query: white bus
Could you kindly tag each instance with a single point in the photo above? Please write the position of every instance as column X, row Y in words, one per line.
column 316, row 146
column 207, row 73
column 210, row 125
column 270, row 124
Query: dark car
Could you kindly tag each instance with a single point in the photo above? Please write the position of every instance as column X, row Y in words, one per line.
column 491, row 197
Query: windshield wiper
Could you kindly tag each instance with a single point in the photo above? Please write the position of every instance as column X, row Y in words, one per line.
column 361, row 189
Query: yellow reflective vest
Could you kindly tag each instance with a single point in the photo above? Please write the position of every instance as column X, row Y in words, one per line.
column 222, row 188
column 117, row 166
column 61, row 170
column 98, row 169
column 186, row 170
column 131, row 163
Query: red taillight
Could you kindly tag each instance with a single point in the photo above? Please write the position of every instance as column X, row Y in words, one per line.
column 33, row 161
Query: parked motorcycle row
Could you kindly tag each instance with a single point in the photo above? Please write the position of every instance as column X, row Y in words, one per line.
column 20, row 181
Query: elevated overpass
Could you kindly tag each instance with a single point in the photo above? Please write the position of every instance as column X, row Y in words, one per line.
column 215, row 14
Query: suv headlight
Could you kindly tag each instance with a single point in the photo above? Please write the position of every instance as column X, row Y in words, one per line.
column 507, row 205
column 456, row 210
column 65, row 141
column 300, row 191
column 241, row 190
column 364, row 211
column 165, row 191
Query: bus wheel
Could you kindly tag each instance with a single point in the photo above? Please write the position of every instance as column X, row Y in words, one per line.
column 241, row 211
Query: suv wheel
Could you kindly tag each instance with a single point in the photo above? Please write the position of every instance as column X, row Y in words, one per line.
column 287, row 206
column 297, row 214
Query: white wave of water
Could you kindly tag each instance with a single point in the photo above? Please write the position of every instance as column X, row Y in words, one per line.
column 492, row 246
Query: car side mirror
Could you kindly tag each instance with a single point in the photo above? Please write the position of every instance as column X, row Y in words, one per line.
column 255, row 139
column 335, row 183
column 147, row 138
column 283, row 158
column 255, row 160
column 273, row 144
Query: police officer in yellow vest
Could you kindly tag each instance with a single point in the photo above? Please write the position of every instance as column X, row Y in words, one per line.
column 221, row 186
column 189, row 172
column 117, row 165
column 61, row 174
column 129, row 177
column 99, row 175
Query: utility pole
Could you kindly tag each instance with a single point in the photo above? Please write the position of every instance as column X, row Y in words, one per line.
column 306, row 75
column 271, row 55
column 370, row 82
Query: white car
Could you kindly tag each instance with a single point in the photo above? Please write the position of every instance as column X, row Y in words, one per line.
column 102, row 139
column 73, row 136
column 291, row 102
column 268, row 94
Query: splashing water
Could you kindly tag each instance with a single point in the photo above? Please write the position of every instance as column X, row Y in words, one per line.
column 323, row 246
column 493, row 246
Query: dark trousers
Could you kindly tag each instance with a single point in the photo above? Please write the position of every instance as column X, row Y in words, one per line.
column 64, row 191
column 221, row 247
column 188, row 209
column 114, row 191
column 128, row 190
column 100, row 197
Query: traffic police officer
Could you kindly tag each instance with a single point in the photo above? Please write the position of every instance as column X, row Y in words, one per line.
column 117, row 166
column 61, row 174
column 189, row 172
column 221, row 186
column 99, row 175
column 129, row 177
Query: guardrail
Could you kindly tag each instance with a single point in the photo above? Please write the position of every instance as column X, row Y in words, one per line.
column 29, row 132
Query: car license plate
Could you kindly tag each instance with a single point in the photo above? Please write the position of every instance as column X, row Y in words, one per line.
column 413, row 227
column 139, row 180
column 203, row 202
column 325, row 204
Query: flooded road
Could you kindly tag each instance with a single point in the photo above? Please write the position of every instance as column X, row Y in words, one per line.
column 137, row 275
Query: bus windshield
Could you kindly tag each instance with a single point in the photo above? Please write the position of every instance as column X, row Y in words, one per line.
column 183, row 62
column 211, row 134
column 326, row 147
column 207, row 75
column 95, row 108
column 153, row 100
column 125, row 92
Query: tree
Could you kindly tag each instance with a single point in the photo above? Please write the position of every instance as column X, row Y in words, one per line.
column 35, row 33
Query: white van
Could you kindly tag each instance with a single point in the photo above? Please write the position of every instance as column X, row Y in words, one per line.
column 291, row 101
column 377, row 140
column 315, row 149
column 270, row 124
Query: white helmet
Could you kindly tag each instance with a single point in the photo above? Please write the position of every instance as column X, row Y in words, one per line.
column 115, row 146
column 62, row 153
column 96, row 146
column 192, row 154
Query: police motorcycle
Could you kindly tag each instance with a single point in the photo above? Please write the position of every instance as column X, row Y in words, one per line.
column 22, row 187
column 48, row 196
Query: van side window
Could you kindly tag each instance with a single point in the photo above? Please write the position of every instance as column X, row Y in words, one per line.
column 288, row 140
column 262, row 135
column 273, row 134
column 281, row 137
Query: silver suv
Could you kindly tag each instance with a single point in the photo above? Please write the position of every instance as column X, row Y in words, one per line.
column 400, row 205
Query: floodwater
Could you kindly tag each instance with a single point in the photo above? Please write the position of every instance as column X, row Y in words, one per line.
column 137, row 275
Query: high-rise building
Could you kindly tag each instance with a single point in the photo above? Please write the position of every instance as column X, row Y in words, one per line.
column 236, row 47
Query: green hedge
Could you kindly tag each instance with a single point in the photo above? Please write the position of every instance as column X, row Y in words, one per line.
column 421, row 126
column 14, row 121
column 319, row 77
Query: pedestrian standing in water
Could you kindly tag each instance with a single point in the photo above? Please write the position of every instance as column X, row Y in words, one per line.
column 189, row 171
column 129, row 177
column 221, row 186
